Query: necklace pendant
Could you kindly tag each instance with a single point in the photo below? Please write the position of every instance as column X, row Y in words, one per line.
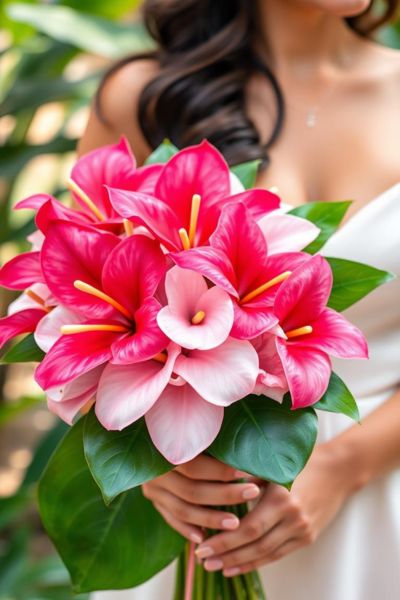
column 311, row 119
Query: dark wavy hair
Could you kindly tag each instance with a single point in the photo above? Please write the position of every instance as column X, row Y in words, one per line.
column 205, row 50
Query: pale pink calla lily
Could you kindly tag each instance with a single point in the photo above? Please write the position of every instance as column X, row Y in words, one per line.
column 237, row 261
column 312, row 332
column 190, row 193
column 196, row 316
column 287, row 233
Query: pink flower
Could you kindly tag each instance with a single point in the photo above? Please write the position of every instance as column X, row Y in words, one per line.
column 310, row 332
column 271, row 380
column 22, row 271
column 196, row 316
column 192, row 189
column 111, row 284
column 287, row 233
column 237, row 261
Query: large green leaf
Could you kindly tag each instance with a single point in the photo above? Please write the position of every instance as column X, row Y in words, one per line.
column 326, row 215
column 11, row 508
column 267, row 439
column 26, row 350
column 247, row 173
column 121, row 460
column 352, row 281
column 338, row 399
column 114, row 547
column 87, row 32
column 43, row 452
column 162, row 153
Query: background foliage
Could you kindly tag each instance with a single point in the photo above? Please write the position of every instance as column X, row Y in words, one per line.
column 52, row 55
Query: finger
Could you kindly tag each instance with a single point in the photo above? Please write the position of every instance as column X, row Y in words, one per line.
column 253, row 526
column 207, row 468
column 191, row 533
column 213, row 494
column 193, row 514
column 287, row 548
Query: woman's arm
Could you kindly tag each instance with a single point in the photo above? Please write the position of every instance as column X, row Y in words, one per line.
column 281, row 521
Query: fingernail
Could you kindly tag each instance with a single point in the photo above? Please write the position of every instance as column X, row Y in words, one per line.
column 251, row 492
column 230, row 523
column 241, row 475
column 231, row 572
column 213, row 565
column 196, row 538
column 204, row 552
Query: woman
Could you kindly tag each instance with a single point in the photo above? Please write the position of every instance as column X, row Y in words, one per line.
column 329, row 130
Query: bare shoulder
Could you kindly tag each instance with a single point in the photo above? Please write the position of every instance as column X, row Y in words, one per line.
column 119, row 100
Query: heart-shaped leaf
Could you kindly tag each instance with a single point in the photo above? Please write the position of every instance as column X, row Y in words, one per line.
column 162, row 153
column 267, row 439
column 325, row 215
column 247, row 173
column 338, row 399
column 121, row 460
column 352, row 281
column 103, row 547
column 26, row 350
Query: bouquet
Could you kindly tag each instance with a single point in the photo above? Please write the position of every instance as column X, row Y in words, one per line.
column 174, row 309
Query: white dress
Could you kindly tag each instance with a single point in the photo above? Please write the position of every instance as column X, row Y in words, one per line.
column 358, row 556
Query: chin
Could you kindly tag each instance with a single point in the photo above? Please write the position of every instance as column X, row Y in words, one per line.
column 341, row 8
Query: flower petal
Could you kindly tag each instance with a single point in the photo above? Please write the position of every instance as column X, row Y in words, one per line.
column 67, row 411
column 287, row 233
column 25, row 301
column 182, row 424
column 146, row 341
column 258, row 202
column 48, row 330
column 33, row 202
column 23, row 321
column 53, row 210
column 84, row 385
column 249, row 322
column 221, row 375
column 307, row 372
column 271, row 381
column 22, row 271
column 127, row 392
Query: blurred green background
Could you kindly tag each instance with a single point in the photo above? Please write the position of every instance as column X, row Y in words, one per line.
column 52, row 55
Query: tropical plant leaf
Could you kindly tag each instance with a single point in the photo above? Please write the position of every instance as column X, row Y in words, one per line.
column 267, row 439
column 338, row 399
column 26, row 350
column 352, row 281
column 326, row 215
column 103, row 547
column 162, row 153
column 121, row 460
column 247, row 173
column 87, row 32
column 43, row 452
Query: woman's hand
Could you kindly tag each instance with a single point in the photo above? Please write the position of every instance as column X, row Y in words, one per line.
column 283, row 521
column 183, row 495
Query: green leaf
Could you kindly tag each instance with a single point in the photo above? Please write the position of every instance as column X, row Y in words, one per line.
column 162, row 153
column 121, row 460
column 87, row 32
column 267, row 439
column 12, row 507
column 24, row 351
column 325, row 215
column 338, row 399
column 114, row 547
column 352, row 281
column 247, row 173
column 43, row 452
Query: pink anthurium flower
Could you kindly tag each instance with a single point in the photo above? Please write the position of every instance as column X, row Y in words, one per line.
column 237, row 261
column 184, row 209
column 22, row 271
column 196, row 316
column 310, row 332
column 271, row 380
column 287, row 233
column 111, row 283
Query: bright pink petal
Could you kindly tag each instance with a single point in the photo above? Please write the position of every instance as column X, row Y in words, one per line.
column 133, row 271
column 146, row 341
column 151, row 212
column 334, row 334
column 199, row 170
column 126, row 393
column 257, row 201
column 145, row 178
column 73, row 252
column 112, row 165
column 307, row 371
column 33, row 202
column 24, row 321
column 304, row 295
column 53, row 210
column 48, row 330
column 221, row 375
column 250, row 322
column 182, row 424
column 84, row 385
column 22, row 271
column 287, row 233
column 211, row 263
column 271, row 380
column 73, row 355
column 176, row 318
